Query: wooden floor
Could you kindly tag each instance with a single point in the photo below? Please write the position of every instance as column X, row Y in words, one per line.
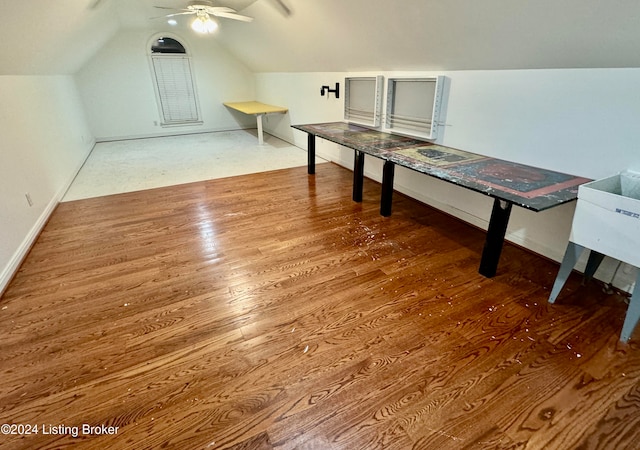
column 269, row 311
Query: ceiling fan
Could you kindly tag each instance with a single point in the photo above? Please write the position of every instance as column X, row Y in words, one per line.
column 203, row 10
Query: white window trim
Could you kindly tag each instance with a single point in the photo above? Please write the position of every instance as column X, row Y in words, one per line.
column 164, row 122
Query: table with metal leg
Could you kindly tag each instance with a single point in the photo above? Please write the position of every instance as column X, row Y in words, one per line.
column 508, row 183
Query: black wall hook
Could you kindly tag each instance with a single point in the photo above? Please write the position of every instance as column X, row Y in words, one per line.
column 336, row 91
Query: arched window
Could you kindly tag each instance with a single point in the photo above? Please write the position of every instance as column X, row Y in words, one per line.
column 167, row 45
column 174, row 85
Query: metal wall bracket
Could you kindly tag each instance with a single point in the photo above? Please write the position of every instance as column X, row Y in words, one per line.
column 326, row 89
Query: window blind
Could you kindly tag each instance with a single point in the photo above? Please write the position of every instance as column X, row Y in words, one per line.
column 176, row 91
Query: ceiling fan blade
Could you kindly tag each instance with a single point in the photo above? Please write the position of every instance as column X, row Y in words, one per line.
column 284, row 7
column 94, row 4
column 179, row 14
column 217, row 9
column 234, row 16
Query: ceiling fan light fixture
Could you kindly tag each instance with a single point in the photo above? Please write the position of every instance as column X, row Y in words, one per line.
column 204, row 24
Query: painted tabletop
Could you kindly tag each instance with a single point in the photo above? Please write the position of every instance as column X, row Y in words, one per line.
column 253, row 108
column 530, row 187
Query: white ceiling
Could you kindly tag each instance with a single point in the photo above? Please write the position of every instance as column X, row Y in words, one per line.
column 57, row 37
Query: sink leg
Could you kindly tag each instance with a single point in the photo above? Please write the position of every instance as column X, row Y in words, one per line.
column 571, row 256
column 633, row 312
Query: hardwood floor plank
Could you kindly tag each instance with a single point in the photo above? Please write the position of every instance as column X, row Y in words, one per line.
column 618, row 427
column 269, row 311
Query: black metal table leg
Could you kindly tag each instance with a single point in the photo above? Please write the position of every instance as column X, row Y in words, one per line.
column 358, row 176
column 495, row 237
column 311, row 153
column 387, row 188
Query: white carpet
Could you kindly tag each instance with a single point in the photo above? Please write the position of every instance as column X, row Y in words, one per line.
column 137, row 164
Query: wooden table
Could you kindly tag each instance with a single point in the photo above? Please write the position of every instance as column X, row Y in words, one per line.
column 258, row 110
column 506, row 182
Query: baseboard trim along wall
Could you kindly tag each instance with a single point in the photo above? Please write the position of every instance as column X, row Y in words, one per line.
column 10, row 270
column 18, row 257
column 169, row 134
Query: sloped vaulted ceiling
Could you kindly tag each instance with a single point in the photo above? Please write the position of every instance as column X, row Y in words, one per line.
column 44, row 37
column 338, row 35
column 51, row 37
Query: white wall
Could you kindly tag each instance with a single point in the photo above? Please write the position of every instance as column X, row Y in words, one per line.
column 45, row 140
column 118, row 93
column 300, row 93
column 580, row 121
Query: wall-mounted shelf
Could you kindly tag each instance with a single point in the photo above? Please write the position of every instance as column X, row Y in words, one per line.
column 413, row 106
column 363, row 100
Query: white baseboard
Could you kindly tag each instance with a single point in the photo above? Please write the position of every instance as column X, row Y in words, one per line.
column 14, row 264
column 9, row 271
column 169, row 134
